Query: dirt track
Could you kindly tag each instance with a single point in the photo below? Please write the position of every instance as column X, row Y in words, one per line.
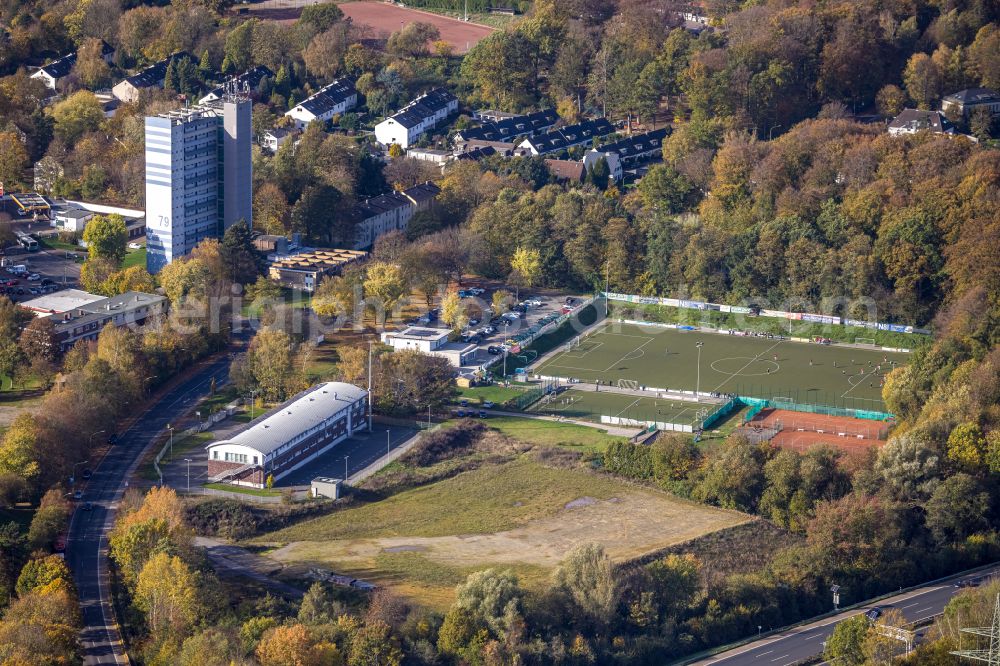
column 383, row 18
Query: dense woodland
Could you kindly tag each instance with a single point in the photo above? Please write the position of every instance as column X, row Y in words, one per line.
column 770, row 191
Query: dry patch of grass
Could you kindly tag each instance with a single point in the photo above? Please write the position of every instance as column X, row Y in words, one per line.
column 523, row 514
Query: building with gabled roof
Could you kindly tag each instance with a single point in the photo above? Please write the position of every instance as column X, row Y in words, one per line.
column 964, row 102
column 333, row 99
column 391, row 212
column 60, row 68
column 628, row 152
column 508, row 129
column 911, row 121
column 566, row 137
column 406, row 126
column 289, row 436
column 150, row 77
column 247, row 81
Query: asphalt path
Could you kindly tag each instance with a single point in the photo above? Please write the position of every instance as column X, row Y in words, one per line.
column 795, row 645
column 86, row 549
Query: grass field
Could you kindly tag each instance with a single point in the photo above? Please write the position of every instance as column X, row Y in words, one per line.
column 590, row 406
column 521, row 514
column 135, row 258
column 552, row 433
column 753, row 366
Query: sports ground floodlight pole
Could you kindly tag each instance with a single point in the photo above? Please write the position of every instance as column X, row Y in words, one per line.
column 369, row 386
column 697, row 386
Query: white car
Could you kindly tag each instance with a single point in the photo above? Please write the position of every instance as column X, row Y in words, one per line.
column 134, row 246
column 535, row 303
column 34, row 277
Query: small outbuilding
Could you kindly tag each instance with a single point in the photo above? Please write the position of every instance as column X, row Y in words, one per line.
column 324, row 486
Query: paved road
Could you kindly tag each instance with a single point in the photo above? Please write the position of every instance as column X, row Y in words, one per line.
column 794, row 645
column 86, row 551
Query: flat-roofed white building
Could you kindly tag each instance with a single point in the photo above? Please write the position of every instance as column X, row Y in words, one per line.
column 290, row 435
column 433, row 341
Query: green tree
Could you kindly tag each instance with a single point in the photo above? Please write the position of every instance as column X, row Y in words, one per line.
column 384, row 285
column 526, row 266
column 453, row 311
column 958, row 507
column 38, row 340
column 847, row 641
column 19, row 448
column 269, row 362
column 41, row 572
column 493, row 597
column 50, row 519
column 167, row 592
column 79, row 113
column 589, row 579
column 13, row 161
column 674, row 456
column 967, row 445
column 106, row 237
column 239, row 255
column 374, row 645
column 321, row 16
column 922, row 78
column 733, row 476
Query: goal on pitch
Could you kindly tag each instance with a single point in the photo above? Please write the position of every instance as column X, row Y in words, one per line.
column 867, row 342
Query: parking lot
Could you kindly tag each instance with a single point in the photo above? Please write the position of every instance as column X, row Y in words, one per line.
column 44, row 271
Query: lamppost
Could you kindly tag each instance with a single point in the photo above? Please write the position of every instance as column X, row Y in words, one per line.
column 171, row 429
column 345, row 468
column 428, row 416
column 188, row 461
column 836, row 596
column 90, row 440
column 697, row 388
column 72, row 479
column 253, row 399
column 387, row 445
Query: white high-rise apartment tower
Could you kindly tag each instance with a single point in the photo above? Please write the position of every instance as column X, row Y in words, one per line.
column 198, row 176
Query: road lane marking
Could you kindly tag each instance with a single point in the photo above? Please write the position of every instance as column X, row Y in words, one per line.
column 917, row 603
column 781, row 657
column 763, row 653
column 924, row 610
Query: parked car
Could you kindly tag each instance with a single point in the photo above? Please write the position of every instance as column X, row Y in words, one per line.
column 87, row 474
column 473, row 322
column 34, row 277
column 88, row 506
column 489, row 404
column 459, row 412
column 463, row 402
column 483, row 413
column 570, row 300
column 47, row 281
column 494, row 350
column 135, row 246
column 78, row 495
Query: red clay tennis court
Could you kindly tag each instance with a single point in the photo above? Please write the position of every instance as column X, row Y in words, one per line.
column 801, row 430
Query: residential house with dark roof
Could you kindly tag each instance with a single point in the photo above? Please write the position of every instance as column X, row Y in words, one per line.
column 57, row 70
column 964, row 102
column 391, row 212
column 911, row 121
column 151, row 77
column 276, row 137
column 334, row 99
column 508, row 129
column 424, row 113
column 628, row 152
column 566, row 137
column 247, row 81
